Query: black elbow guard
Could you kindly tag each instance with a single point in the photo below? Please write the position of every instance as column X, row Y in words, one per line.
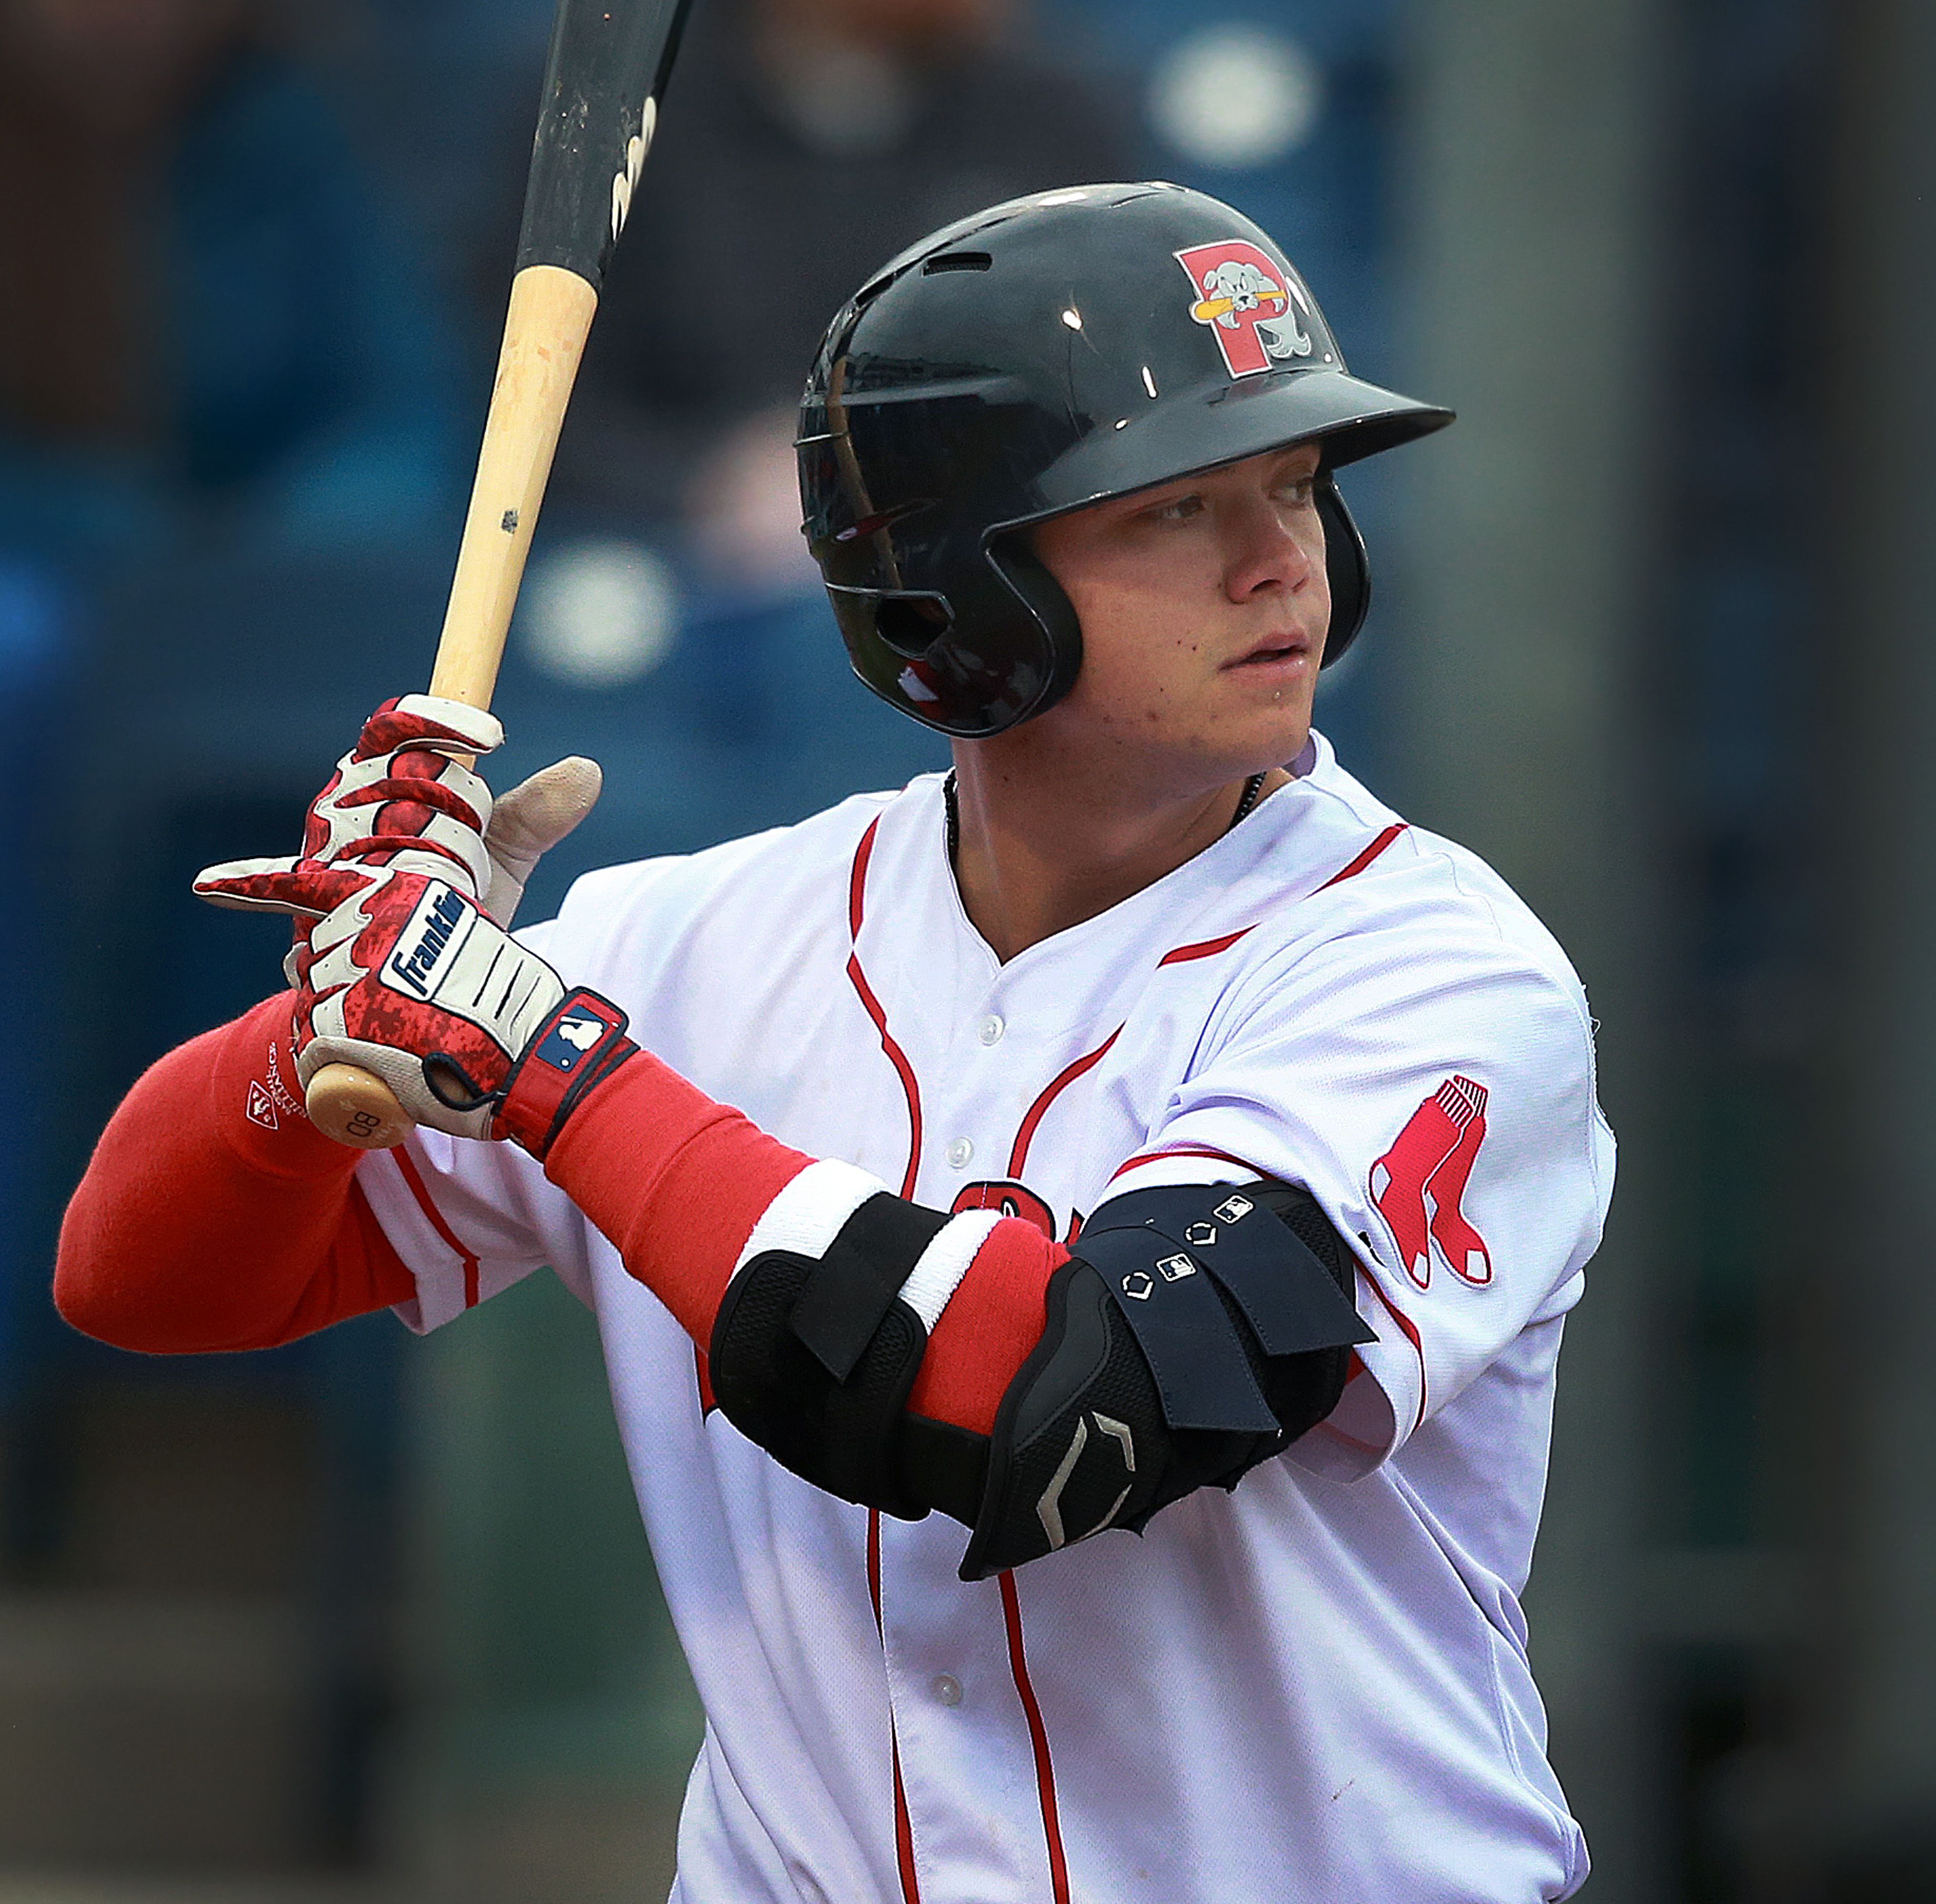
column 1199, row 1331
column 813, row 1357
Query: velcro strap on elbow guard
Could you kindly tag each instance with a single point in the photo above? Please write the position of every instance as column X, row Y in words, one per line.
column 812, row 1357
column 1164, row 1247
column 1197, row 1332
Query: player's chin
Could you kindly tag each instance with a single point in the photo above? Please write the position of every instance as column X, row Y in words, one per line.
column 1266, row 713
column 1226, row 758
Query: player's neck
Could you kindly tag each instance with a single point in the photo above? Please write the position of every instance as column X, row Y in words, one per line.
column 1041, row 849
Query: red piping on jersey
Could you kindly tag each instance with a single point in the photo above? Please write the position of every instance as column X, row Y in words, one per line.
column 437, row 1222
column 857, row 881
column 1411, row 1329
column 903, row 1825
column 1045, row 1770
column 1184, row 1151
column 1206, row 948
column 1025, row 1136
column 1365, row 858
column 910, row 1084
column 857, row 892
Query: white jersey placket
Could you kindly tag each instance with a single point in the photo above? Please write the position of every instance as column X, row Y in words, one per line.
column 975, row 1782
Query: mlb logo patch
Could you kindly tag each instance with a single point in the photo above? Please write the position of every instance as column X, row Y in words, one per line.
column 566, row 1043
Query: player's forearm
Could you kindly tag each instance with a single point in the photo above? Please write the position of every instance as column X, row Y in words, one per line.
column 909, row 1359
column 678, row 1182
column 197, row 1227
column 673, row 1180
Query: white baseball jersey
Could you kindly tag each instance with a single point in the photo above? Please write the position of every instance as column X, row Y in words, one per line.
column 1311, row 1690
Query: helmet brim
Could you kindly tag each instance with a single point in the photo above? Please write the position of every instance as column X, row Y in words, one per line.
column 1222, row 422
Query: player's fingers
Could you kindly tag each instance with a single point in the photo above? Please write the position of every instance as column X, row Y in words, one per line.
column 246, row 885
column 530, row 820
column 428, row 720
column 460, row 795
column 300, row 888
column 535, row 816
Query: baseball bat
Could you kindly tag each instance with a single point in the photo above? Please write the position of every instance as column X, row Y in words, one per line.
column 605, row 78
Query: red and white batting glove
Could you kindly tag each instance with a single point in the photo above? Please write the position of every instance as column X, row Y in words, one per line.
column 398, row 798
column 400, row 846
column 407, row 976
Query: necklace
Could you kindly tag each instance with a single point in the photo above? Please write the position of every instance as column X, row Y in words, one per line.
column 1253, row 789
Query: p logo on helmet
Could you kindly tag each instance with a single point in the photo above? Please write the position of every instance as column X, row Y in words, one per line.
column 1249, row 303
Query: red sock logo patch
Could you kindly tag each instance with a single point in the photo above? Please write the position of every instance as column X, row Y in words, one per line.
column 1420, row 1183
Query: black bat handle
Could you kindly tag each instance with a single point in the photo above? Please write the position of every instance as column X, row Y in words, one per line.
column 604, row 83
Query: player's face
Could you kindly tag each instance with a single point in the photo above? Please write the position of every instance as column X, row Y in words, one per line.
column 1204, row 605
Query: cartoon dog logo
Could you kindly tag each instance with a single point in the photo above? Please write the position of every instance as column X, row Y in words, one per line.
column 1249, row 303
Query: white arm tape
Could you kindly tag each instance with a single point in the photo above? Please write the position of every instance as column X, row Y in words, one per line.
column 805, row 1217
column 938, row 1273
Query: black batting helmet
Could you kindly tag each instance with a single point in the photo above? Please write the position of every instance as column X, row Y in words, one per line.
column 1037, row 356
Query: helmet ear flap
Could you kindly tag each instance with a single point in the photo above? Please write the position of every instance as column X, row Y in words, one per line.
column 1042, row 597
column 1347, row 567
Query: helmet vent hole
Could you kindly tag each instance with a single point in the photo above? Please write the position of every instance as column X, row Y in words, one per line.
column 911, row 624
column 956, row 261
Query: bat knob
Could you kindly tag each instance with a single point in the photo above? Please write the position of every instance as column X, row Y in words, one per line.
column 356, row 1108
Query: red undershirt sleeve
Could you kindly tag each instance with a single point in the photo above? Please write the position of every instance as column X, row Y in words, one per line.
column 676, row 1181
column 197, row 1229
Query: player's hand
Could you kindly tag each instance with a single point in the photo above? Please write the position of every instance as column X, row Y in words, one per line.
column 398, row 798
column 529, row 821
column 405, row 975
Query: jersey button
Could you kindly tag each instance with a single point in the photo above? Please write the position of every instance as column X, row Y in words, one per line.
column 989, row 1030
column 960, row 1153
column 948, row 1689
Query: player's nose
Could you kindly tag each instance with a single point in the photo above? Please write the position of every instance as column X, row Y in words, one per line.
column 1266, row 546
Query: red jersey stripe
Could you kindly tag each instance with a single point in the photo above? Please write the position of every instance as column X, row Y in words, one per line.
column 1025, row 1136
column 903, row 1824
column 1206, row 948
column 857, row 882
column 1364, row 859
column 1044, row 1768
column 857, row 897
column 1184, row 1151
column 910, row 1084
column 1411, row 1335
column 411, row 1177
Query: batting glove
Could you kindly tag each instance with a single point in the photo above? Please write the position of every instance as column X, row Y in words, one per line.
column 405, row 974
column 398, row 798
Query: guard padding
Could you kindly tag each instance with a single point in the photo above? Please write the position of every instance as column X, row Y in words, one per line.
column 1087, row 1437
column 1128, row 1403
column 841, row 1435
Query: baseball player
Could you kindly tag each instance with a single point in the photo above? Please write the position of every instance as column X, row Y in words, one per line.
column 1080, row 1242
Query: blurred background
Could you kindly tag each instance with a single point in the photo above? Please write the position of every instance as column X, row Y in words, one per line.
column 370, row 1619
